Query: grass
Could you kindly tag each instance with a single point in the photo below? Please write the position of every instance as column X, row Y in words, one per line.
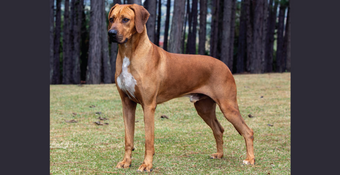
column 183, row 142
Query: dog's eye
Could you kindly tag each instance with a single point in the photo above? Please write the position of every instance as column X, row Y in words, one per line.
column 111, row 20
column 126, row 20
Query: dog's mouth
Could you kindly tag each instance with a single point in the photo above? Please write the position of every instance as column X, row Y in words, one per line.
column 118, row 40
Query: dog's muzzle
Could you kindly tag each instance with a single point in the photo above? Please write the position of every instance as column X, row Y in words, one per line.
column 113, row 35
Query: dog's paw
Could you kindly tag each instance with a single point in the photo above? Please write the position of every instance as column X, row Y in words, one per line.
column 124, row 164
column 145, row 168
column 249, row 161
column 216, row 156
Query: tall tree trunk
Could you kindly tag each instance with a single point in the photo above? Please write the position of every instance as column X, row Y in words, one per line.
column 241, row 52
column 191, row 45
column 220, row 30
column 271, row 23
column 77, row 22
column 94, row 62
column 255, row 64
column 249, row 24
column 139, row 2
column 167, row 22
column 177, row 27
column 227, row 41
column 56, row 43
column 264, row 36
column 232, row 35
column 67, row 61
column 51, row 39
column 214, row 28
column 202, row 29
column 158, row 31
column 280, row 62
column 287, row 39
column 84, row 45
column 114, row 50
column 150, row 25
column 187, row 19
column 105, row 48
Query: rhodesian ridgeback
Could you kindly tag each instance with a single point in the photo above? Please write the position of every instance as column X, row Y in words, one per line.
column 148, row 75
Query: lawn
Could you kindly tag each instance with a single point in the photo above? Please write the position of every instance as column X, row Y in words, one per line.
column 183, row 142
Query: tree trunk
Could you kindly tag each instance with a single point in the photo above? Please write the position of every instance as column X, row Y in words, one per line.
column 255, row 64
column 77, row 22
column 94, row 62
column 150, row 25
column 56, row 43
column 287, row 39
column 249, row 24
column 264, row 36
column 214, row 28
column 241, row 52
column 280, row 62
column 114, row 50
column 158, row 31
column 177, row 27
column 139, row 2
column 105, row 48
column 202, row 29
column 187, row 19
column 220, row 30
column 167, row 22
column 84, row 46
column 191, row 45
column 271, row 22
column 67, row 61
column 232, row 36
column 51, row 39
column 226, row 54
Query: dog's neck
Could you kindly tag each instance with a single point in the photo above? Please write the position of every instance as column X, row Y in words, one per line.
column 138, row 41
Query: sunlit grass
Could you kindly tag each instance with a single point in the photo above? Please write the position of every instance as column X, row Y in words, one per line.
column 183, row 142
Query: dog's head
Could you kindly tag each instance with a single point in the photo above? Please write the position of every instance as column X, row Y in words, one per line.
column 126, row 20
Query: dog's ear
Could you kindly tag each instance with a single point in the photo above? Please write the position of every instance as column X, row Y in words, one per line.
column 141, row 17
column 113, row 7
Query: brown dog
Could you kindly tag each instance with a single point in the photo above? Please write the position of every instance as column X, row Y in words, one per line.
column 148, row 75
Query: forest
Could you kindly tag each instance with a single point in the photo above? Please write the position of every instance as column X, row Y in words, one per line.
column 249, row 36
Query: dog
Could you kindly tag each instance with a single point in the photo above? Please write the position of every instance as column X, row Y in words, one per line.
column 148, row 75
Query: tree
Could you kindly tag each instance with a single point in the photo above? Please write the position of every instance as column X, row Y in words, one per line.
column 139, row 2
column 280, row 62
column 56, row 44
column 202, row 29
column 84, row 45
column 255, row 63
column 114, row 48
column 167, row 22
column 241, row 56
column 150, row 25
column 158, row 31
column 271, row 23
column 191, row 44
column 94, row 62
column 105, row 48
column 214, row 28
column 287, row 41
column 51, row 38
column 67, row 60
column 177, row 27
column 77, row 23
column 249, row 24
column 227, row 50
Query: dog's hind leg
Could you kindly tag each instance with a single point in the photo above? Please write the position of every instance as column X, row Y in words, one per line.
column 231, row 112
column 205, row 108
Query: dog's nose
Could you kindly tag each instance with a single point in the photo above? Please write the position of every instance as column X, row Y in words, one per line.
column 112, row 33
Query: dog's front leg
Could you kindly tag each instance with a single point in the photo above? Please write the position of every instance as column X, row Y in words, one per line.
column 129, row 108
column 149, row 113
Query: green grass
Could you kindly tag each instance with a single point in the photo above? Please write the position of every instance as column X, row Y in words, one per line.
column 183, row 142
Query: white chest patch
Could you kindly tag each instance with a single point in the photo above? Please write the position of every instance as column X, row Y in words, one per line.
column 125, row 80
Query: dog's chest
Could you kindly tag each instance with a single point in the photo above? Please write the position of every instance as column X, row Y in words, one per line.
column 125, row 80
